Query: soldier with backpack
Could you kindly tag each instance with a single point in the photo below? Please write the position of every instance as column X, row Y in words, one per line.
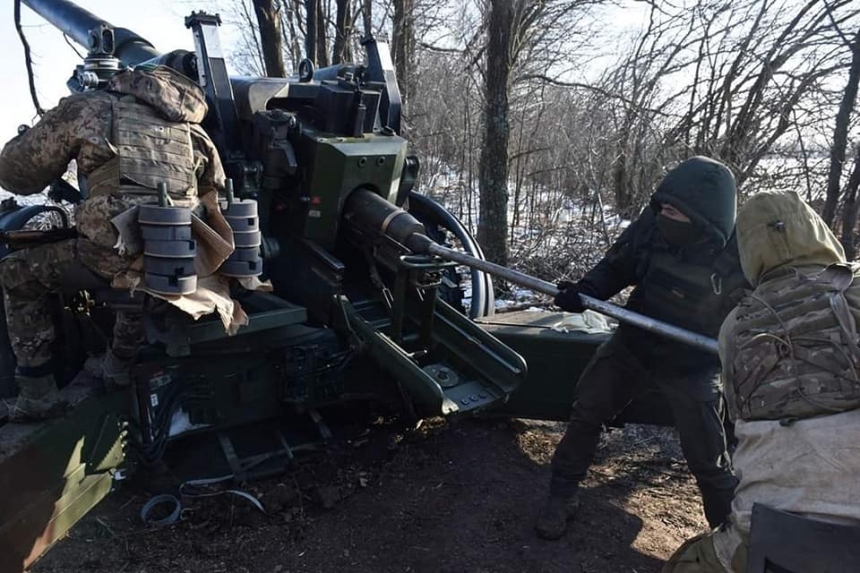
column 791, row 373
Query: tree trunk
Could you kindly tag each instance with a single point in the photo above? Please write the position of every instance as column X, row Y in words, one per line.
column 840, row 134
column 291, row 29
column 621, row 171
column 619, row 180
column 367, row 16
column 270, row 38
column 343, row 28
column 311, row 11
column 403, row 41
column 851, row 210
column 321, row 36
column 493, row 169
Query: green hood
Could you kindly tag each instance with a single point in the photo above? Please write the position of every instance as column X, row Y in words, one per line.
column 777, row 230
column 705, row 191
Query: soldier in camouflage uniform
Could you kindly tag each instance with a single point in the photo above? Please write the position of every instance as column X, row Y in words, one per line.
column 142, row 129
column 681, row 255
column 791, row 367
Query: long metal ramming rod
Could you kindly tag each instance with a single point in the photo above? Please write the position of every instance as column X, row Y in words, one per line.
column 679, row 334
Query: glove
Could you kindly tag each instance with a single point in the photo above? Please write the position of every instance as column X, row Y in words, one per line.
column 62, row 191
column 568, row 297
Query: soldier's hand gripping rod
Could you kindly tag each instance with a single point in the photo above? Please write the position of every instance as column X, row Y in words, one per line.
column 669, row 331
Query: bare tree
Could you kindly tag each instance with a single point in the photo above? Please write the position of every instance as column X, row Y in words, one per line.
column 292, row 29
column 342, row 50
column 840, row 138
column 269, row 23
column 316, row 47
column 493, row 222
column 367, row 16
column 552, row 152
column 403, row 46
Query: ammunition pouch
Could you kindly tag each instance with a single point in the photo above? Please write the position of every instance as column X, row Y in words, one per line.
column 149, row 150
column 693, row 296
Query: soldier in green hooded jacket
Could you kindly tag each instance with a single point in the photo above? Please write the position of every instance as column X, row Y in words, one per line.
column 790, row 372
column 681, row 255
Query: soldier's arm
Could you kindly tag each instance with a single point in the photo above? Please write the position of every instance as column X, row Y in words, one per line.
column 617, row 269
column 726, row 342
column 210, row 171
column 32, row 160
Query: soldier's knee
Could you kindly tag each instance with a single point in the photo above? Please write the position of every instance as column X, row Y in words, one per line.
column 584, row 425
column 16, row 277
column 697, row 555
column 586, row 420
column 9, row 274
column 22, row 293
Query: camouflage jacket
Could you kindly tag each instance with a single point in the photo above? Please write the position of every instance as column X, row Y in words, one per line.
column 80, row 129
column 789, row 350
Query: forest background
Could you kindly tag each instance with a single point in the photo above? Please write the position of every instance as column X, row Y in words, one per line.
column 544, row 125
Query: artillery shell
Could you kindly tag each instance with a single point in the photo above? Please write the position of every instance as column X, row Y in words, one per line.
column 170, row 285
column 246, row 240
column 242, row 268
column 241, row 208
column 170, row 249
column 165, row 232
column 172, row 267
column 245, row 255
column 244, row 224
column 155, row 215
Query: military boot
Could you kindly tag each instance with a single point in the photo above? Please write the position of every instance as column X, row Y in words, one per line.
column 110, row 369
column 556, row 512
column 38, row 399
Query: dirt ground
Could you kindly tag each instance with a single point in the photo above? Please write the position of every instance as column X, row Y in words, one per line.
column 447, row 497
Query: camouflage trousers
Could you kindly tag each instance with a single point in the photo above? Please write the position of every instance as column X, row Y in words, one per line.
column 699, row 555
column 29, row 275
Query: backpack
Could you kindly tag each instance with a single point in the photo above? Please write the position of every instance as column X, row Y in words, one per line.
column 795, row 346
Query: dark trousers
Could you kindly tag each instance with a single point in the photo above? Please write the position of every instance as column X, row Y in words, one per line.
column 612, row 379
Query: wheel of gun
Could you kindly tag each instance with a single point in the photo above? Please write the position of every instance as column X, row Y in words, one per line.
column 168, row 249
column 241, row 215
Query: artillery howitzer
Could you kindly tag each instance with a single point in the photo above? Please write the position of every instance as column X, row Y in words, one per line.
column 362, row 311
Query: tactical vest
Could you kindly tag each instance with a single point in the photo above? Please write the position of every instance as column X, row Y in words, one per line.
column 693, row 296
column 795, row 347
column 149, row 150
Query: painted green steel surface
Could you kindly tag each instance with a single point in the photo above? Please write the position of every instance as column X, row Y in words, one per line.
column 52, row 475
column 555, row 362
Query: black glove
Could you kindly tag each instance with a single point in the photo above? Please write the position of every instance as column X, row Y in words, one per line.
column 568, row 297
column 62, row 191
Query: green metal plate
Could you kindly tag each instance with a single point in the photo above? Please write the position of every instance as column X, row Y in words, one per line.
column 555, row 362
column 54, row 473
